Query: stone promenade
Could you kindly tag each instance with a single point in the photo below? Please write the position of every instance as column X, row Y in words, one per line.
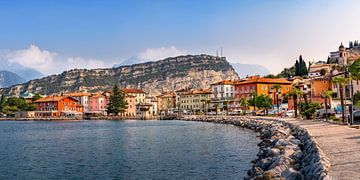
column 340, row 143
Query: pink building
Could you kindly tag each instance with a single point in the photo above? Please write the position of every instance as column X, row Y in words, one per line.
column 98, row 104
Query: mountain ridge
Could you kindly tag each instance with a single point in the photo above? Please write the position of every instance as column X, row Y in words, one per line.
column 195, row 71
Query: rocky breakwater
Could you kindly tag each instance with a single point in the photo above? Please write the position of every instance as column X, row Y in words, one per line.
column 286, row 151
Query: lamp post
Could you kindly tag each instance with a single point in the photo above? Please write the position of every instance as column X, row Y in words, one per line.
column 351, row 94
column 277, row 102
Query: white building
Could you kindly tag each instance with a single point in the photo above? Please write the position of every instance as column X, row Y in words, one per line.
column 223, row 90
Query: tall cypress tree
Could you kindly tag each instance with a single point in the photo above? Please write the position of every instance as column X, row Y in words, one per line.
column 117, row 103
column 297, row 68
column 2, row 102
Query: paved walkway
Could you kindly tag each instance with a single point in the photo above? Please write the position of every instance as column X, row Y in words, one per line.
column 340, row 143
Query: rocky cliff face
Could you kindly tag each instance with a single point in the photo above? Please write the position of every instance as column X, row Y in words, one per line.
column 174, row 73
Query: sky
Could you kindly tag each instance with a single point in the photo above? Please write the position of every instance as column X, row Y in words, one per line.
column 52, row 36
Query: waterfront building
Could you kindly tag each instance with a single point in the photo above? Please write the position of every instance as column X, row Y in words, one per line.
column 143, row 110
column 83, row 99
column 196, row 100
column 139, row 94
column 178, row 94
column 131, row 106
column 223, row 95
column 166, row 102
column 98, row 104
column 261, row 85
column 58, row 106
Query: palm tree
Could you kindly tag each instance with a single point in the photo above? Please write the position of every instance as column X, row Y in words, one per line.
column 341, row 81
column 327, row 95
column 254, row 95
column 244, row 104
column 295, row 93
column 267, row 104
column 216, row 106
column 207, row 103
column 225, row 106
column 277, row 87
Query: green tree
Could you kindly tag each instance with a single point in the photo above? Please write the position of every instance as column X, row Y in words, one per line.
column 2, row 102
column 297, row 68
column 327, row 96
column 295, row 93
column 354, row 69
column 117, row 103
column 308, row 109
column 10, row 110
column 264, row 102
column 323, row 71
column 276, row 88
column 225, row 106
column 244, row 104
column 341, row 81
column 357, row 98
column 252, row 100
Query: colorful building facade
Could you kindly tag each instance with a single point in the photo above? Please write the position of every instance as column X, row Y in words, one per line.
column 58, row 106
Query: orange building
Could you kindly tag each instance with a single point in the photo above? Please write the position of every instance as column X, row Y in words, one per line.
column 260, row 85
column 58, row 106
column 318, row 86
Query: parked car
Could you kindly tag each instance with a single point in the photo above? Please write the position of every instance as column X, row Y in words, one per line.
column 321, row 113
column 290, row 113
column 260, row 113
column 356, row 115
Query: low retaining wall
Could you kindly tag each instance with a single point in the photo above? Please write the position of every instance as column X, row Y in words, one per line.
column 287, row 151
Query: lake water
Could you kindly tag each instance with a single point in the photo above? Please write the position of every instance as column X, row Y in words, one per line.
column 124, row 150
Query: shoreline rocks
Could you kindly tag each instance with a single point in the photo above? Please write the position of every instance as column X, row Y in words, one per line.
column 286, row 151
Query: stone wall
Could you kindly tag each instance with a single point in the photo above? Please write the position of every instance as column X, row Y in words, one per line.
column 286, row 151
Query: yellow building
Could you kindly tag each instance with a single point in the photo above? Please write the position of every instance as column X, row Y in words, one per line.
column 139, row 94
column 195, row 100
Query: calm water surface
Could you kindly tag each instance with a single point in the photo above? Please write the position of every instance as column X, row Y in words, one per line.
column 124, row 150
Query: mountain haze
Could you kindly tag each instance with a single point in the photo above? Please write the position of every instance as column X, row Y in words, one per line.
column 8, row 78
column 244, row 70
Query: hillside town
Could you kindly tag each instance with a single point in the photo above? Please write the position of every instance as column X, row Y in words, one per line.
column 325, row 88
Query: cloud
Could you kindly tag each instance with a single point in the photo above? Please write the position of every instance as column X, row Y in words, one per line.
column 160, row 53
column 47, row 62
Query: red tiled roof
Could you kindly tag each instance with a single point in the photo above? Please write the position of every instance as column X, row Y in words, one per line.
column 77, row 94
column 53, row 98
column 199, row 91
column 255, row 79
column 136, row 91
column 225, row 82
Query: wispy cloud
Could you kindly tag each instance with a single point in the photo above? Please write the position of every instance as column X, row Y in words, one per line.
column 47, row 62
column 160, row 53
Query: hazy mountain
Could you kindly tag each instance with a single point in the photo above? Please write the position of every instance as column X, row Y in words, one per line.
column 130, row 61
column 8, row 79
column 26, row 73
column 195, row 71
column 250, row 69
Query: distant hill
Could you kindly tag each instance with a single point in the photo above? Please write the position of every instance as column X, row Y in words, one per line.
column 174, row 73
column 250, row 69
column 130, row 61
column 24, row 72
column 8, row 79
